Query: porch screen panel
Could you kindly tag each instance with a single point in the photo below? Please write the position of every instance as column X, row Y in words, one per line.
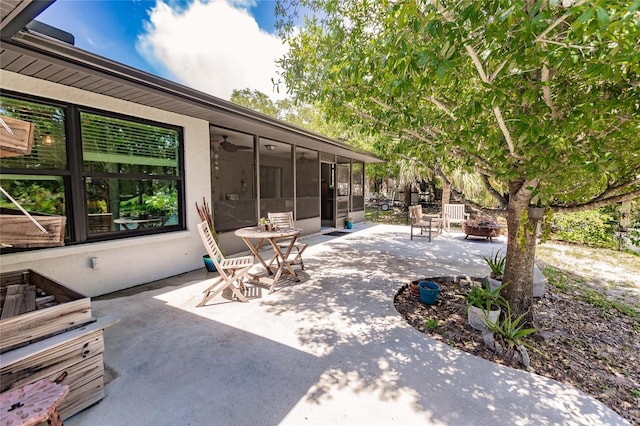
column 343, row 179
column 307, row 184
column 357, row 186
column 276, row 177
column 233, row 180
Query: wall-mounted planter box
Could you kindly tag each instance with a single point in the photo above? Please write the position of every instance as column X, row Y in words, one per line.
column 20, row 141
column 17, row 230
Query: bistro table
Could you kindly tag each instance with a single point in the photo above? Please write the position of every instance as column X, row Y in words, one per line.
column 253, row 233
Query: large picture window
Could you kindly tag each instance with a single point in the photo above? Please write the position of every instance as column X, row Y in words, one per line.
column 119, row 156
column 112, row 176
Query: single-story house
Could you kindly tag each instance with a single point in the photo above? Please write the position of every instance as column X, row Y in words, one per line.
column 125, row 156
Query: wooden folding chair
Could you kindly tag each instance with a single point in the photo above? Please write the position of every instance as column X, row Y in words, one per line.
column 430, row 225
column 284, row 220
column 232, row 270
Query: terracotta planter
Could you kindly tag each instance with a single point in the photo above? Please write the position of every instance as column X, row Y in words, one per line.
column 413, row 288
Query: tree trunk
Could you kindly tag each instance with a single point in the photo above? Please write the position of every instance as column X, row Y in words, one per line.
column 521, row 248
column 406, row 199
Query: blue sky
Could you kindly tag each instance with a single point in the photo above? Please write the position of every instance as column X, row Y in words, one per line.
column 214, row 46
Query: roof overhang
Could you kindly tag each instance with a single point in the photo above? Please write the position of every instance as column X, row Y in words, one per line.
column 32, row 54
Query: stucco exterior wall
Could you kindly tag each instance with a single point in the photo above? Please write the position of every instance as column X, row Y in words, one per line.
column 131, row 261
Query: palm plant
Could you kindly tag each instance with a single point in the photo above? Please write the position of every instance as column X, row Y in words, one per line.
column 484, row 298
column 512, row 330
column 496, row 263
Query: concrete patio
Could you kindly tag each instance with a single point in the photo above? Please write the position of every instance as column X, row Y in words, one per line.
column 328, row 350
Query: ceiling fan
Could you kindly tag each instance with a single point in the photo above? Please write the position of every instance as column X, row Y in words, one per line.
column 231, row 147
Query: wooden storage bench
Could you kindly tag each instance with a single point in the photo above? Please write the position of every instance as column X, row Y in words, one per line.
column 68, row 309
column 60, row 337
column 77, row 353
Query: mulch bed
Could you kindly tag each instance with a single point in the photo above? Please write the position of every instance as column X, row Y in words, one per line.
column 593, row 348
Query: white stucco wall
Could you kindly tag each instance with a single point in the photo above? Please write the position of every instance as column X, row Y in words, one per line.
column 127, row 262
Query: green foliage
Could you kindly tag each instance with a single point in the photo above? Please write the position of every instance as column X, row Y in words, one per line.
column 430, row 324
column 595, row 228
column 41, row 197
column 162, row 203
column 254, row 100
column 496, row 264
column 159, row 204
column 541, row 97
column 484, row 298
column 512, row 329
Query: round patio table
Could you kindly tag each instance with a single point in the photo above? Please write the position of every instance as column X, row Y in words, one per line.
column 281, row 257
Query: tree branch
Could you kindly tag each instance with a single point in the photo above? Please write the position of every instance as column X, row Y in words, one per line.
column 476, row 61
column 495, row 73
column 505, row 131
column 525, row 192
column 546, row 90
column 611, row 189
column 556, row 23
column 501, row 198
column 600, row 203
column 483, row 76
column 442, row 106
column 370, row 117
column 480, row 165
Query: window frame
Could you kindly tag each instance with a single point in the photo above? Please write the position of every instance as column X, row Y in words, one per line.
column 74, row 175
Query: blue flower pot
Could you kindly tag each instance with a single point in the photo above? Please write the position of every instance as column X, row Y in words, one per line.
column 348, row 225
column 428, row 292
column 208, row 263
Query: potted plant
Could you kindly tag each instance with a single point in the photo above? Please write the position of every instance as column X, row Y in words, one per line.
column 483, row 305
column 428, row 292
column 264, row 224
column 348, row 222
column 205, row 214
column 496, row 263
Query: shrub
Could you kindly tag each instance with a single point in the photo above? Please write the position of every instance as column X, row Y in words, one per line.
column 595, row 228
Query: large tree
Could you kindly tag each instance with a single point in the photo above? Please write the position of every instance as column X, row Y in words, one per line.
column 539, row 97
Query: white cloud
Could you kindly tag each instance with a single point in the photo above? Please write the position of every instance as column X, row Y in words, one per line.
column 212, row 47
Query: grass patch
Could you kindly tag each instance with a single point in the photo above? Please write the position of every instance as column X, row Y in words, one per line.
column 430, row 324
column 606, row 305
column 393, row 216
column 556, row 278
